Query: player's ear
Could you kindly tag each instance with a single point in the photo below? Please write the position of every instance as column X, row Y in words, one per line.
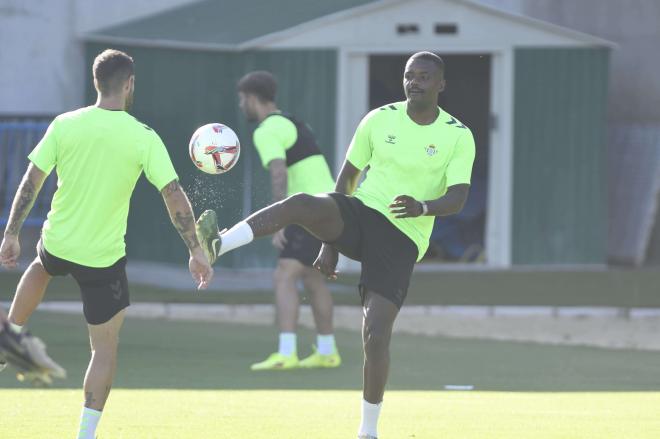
column 443, row 84
column 130, row 83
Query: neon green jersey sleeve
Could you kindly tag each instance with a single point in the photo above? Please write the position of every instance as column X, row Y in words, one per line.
column 459, row 169
column 273, row 137
column 360, row 150
column 157, row 164
column 44, row 155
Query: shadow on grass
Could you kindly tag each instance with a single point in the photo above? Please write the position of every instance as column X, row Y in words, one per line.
column 188, row 355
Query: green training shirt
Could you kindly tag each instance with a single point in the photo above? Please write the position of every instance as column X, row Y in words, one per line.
column 281, row 137
column 98, row 156
column 406, row 158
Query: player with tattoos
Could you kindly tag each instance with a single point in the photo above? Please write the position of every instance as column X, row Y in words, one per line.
column 99, row 152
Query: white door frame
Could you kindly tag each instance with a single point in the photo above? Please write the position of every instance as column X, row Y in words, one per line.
column 353, row 103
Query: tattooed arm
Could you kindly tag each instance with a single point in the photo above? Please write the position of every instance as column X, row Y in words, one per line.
column 27, row 192
column 182, row 217
column 181, row 213
column 25, row 195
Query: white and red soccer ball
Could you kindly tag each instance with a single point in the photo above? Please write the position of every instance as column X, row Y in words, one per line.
column 214, row 148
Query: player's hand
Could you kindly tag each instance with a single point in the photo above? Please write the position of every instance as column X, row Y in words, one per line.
column 279, row 240
column 405, row 206
column 200, row 269
column 10, row 250
column 326, row 261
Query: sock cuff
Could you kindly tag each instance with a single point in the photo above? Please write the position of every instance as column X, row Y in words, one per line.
column 248, row 230
column 91, row 412
column 371, row 405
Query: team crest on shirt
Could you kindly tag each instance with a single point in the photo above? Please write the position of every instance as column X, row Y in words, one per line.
column 431, row 150
column 391, row 139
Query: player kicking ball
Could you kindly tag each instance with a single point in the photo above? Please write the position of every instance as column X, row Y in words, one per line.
column 419, row 161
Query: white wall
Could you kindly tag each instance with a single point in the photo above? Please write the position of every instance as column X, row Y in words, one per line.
column 42, row 69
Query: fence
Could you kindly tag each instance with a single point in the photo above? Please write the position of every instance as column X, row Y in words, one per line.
column 17, row 139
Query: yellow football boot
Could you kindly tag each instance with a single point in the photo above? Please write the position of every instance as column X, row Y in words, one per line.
column 317, row 360
column 277, row 361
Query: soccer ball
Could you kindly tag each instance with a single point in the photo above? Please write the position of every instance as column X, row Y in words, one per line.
column 214, row 148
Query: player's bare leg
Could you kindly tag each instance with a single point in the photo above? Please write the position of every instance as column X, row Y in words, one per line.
column 286, row 276
column 29, row 293
column 321, row 300
column 319, row 214
column 379, row 316
column 325, row 353
column 104, row 339
column 287, row 303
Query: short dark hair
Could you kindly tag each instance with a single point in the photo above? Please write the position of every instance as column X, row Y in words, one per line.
column 111, row 68
column 430, row 56
column 261, row 83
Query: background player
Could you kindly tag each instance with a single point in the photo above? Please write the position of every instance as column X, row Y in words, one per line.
column 289, row 151
column 412, row 148
column 99, row 152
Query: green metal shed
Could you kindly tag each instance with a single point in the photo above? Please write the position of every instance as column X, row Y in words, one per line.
column 533, row 93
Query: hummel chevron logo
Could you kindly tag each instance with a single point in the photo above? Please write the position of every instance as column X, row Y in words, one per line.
column 116, row 287
column 454, row 121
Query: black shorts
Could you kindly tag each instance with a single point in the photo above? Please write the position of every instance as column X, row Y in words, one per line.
column 104, row 291
column 300, row 245
column 387, row 254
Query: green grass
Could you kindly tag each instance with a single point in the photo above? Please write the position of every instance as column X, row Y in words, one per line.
column 220, row 414
column 191, row 380
column 623, row 288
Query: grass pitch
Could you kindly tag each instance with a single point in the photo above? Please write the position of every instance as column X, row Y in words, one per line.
column 333, row 414
column 192, row 380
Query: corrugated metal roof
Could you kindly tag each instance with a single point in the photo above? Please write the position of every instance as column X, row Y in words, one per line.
column 223, row 22
column 234, row 24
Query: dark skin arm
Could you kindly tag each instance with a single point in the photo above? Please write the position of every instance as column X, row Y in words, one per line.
column 347, row 181
column 348, row 178
column 405, row 206
column 26, row 194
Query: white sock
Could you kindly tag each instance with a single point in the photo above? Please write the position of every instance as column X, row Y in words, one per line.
column 326, row 344
column 237, row 236
column 15, row 327
column 287, row 343
column 88, row 422
column 370, row 413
